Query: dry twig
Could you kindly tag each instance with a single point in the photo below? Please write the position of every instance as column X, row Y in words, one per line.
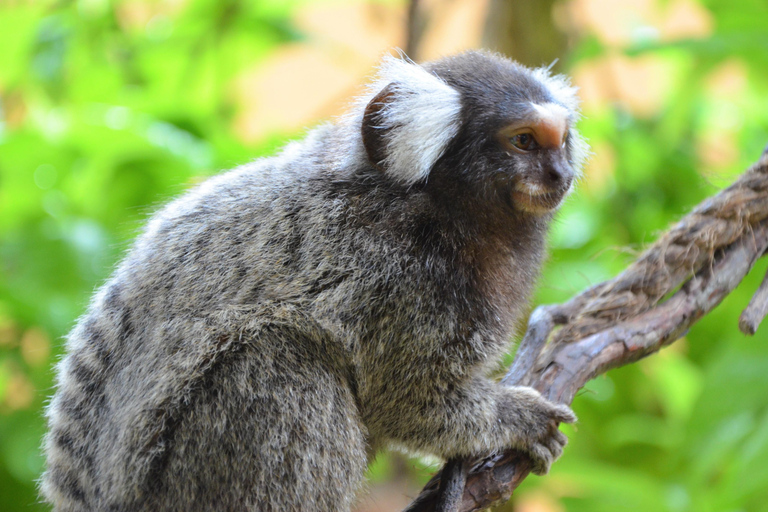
column 679, row 279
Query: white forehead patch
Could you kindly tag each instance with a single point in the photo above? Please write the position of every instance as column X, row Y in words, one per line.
column 552, row 113
column 552, row 121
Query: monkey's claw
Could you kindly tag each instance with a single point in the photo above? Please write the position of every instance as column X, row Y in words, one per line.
column 544, row 453
column 535, row 421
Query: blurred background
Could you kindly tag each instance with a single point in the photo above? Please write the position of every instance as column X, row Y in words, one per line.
column 110, row 108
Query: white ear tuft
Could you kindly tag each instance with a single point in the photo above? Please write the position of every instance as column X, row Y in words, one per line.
column 415, row 120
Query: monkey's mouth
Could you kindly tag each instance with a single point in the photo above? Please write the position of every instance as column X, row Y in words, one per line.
column 535, row 200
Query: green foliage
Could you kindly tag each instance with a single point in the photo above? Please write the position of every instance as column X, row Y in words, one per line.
column 102, row 119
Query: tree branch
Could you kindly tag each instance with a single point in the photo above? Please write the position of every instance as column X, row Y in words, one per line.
column 680, row 278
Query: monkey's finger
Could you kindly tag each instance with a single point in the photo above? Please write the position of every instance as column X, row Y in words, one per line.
column 561, row 438
column 541, row 457
column 562, row 413
column 556, row 440
column 555, row 447
column 558, row 436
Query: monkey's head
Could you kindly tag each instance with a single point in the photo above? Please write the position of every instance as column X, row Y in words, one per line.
column 479, row 123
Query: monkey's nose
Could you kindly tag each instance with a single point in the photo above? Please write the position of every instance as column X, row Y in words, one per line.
column 554, row 177
column 558, row 177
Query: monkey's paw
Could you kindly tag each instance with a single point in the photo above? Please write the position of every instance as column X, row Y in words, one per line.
column 533, row 421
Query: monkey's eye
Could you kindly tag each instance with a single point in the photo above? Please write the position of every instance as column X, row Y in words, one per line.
column 523, row 141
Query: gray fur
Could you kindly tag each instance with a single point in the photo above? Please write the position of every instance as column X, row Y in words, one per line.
column 274, row 327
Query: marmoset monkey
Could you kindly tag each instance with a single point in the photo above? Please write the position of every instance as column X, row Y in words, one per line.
column 273, row 328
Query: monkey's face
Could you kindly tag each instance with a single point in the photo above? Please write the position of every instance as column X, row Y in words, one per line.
column 477, row 128
column 517, row 143
column 537, row 175
column 514, row 150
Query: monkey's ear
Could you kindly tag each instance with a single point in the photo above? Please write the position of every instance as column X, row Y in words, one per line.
column 374, row 129
column 410, row 121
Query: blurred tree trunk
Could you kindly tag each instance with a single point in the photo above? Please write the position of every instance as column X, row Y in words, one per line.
column 525, row 31
column 415, row 29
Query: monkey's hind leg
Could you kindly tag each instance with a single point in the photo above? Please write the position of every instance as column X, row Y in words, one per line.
column 273, row 427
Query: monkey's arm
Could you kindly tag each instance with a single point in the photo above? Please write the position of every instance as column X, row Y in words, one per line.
column 426, row 412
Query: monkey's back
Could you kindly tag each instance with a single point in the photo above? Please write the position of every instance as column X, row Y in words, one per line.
column 197, row 345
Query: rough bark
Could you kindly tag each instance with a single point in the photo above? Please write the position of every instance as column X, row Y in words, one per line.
column 680, row 278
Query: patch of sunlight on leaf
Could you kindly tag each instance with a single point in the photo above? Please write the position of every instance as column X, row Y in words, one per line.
column 54, row 203
column 180, row 143
column 52, row 123
column 573, row 229
column 600, row 389
column 424, row 467
column 45, row 176
column 677, row 381
column 87, row 236
column 381, row 469
column 60, row 310
column 92, row 8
